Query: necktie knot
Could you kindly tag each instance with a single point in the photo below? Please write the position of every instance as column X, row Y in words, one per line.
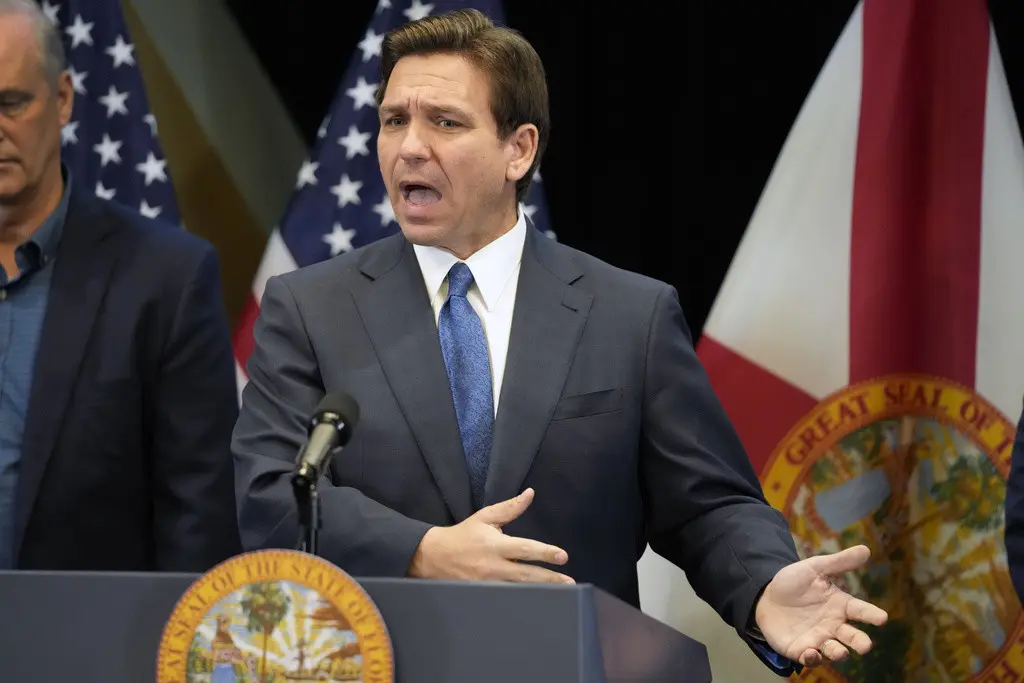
column 460, row 277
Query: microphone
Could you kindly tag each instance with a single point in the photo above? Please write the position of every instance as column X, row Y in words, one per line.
column 330, row 428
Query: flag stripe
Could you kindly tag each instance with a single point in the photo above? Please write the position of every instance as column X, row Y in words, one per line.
column 761, row 405
column 277, row 259
column 915, row 243
column 1000, row 306
column 241, row 379
column 243, row 341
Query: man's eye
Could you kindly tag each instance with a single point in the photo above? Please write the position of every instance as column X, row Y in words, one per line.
column 13, row 103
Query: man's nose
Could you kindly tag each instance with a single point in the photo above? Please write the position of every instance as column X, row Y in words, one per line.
column 415, row 146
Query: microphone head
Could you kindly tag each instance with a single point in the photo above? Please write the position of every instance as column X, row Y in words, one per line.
column 339, row 409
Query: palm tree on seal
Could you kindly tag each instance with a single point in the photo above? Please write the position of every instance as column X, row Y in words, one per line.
column 265, row 606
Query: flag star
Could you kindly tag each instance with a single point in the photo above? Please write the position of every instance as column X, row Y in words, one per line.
column 550, row 234
column 347, row 191
column 323, row 126
column 149, row 211
column 121, row 52
column 307, row 174
column 115, row 102
column 104, row 193
column 385, row 210
column 529, row 210
column 153, row 169
column 354, row 143
column 69, row 133
column 383, row 5
column 340, row 239
column 51, row 12
column 371, row 44
column 418, row 10
column 78, row 79
column 151, row 120
column 536, row 175
column 109, row 150
column 363, row 93
column 80, row 32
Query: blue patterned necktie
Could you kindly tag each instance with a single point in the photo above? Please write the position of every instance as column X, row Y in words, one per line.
column 469, row 375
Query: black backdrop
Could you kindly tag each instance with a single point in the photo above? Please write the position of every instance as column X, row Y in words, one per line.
column 665, row 129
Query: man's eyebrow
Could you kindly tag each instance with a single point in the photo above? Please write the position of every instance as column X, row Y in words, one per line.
column 431, row 108
column 446, row 108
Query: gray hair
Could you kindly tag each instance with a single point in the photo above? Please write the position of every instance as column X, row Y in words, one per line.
column 48, row 40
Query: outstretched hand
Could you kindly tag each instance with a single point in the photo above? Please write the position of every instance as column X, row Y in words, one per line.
column 805, row 617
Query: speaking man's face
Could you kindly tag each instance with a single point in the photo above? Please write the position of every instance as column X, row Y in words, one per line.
column 451, row 180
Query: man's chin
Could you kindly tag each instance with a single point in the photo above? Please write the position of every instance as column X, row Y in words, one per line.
column 12, row 185
column 423, row 235
column 11, row 196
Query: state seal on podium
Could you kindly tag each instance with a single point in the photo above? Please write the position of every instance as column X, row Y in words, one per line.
column 275, row 616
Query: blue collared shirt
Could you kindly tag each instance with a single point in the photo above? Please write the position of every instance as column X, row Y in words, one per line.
column 23, row 301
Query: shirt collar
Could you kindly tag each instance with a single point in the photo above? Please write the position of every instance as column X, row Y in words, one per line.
column 492, row 266
column 47, row 236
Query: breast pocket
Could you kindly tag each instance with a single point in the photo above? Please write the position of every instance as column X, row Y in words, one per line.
column 590, row 403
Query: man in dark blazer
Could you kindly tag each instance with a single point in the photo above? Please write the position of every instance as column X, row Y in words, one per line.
column 528, row 413
column 117, row 389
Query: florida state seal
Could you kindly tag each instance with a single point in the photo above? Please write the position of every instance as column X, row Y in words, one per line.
column 915, row 468
column 275, row 615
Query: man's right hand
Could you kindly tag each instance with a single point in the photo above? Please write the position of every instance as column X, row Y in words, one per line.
column 476, row 549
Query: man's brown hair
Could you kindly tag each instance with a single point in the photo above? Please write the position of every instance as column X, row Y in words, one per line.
column 519, row 91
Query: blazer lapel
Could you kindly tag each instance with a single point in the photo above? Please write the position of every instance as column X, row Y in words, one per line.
column 546, row 325
column 395, row 309
column 81, row 274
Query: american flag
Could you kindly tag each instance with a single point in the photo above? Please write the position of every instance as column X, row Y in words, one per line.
column 110, row 145
column 339, row 202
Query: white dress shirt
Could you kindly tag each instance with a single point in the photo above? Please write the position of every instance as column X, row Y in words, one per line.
column 492, row 295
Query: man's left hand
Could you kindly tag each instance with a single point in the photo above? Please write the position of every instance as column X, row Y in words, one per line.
column 804, row 616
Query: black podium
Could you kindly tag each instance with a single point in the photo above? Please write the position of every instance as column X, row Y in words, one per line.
column 106, row 627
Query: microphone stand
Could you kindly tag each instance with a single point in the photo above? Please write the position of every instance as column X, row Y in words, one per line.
column 306, row 497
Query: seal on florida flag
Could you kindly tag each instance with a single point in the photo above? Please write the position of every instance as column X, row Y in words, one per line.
column 915, row 468
column 275, row 615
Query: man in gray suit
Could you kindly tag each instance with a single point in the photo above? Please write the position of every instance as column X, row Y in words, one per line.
column 528, row 413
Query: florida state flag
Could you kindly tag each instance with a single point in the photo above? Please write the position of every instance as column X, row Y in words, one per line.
column 867, row 340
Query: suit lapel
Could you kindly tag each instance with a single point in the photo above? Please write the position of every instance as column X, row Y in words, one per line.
column 546, row 325
column 81, row 274
column 395, row 309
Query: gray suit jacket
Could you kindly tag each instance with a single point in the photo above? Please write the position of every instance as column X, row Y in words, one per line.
column 605, row 411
